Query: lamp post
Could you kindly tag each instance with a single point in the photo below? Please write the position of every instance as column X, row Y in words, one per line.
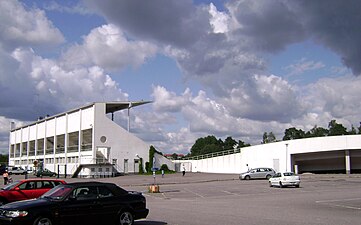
column 286, row 155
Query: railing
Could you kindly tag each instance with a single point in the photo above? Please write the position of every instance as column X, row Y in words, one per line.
column 86, row 147
column 60, row 150
column 73, row 148
column 102, row 161
column 214, row 154
column 49, row 151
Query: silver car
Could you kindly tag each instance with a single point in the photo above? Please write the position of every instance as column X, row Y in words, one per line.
column 257, row 173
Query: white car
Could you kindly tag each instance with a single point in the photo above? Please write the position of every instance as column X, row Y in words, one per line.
column 284, row 179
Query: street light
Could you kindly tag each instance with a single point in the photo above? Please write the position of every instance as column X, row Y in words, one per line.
column 286, row 154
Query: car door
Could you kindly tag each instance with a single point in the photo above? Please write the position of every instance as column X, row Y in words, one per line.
column 276, row 179
column 107, row 205
column 22, row 192
column 79, row 207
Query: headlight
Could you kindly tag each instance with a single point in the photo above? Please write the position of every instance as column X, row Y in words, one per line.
column 14, row 214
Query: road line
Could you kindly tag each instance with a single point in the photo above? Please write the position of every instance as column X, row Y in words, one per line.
column 194, row 193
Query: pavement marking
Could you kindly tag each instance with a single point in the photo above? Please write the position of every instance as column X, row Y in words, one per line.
column 199, row 195
column 334, row 202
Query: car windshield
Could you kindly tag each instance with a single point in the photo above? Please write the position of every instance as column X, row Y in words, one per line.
column 288, row 174
column 11, row 185
column 58, row 192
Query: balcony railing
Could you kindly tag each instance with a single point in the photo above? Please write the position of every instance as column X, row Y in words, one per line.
column 60, row 150
column 73, row 148
column 215, row 154
column 86, row 147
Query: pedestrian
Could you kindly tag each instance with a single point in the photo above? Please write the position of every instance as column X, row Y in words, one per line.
column 162, row 173
column 184, row 171
column 6, row 177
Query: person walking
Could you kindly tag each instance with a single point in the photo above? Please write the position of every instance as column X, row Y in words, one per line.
column 184, row 171
column 6, row 177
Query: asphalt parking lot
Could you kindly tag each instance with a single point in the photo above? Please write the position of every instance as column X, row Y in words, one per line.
column 204, row 199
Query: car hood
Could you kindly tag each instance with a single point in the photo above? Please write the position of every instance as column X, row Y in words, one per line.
column 26, row 204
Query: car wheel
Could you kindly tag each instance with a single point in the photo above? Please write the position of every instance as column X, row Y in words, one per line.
column 297, row 186
column 281, row 186
column 270, row 184
column 247, row 177
column 268, row 176
column 42, row 221
column 126, row 218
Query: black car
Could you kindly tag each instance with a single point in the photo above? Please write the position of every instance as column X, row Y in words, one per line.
column 78, row 203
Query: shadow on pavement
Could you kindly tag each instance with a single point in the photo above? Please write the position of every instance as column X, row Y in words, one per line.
column 145, row 222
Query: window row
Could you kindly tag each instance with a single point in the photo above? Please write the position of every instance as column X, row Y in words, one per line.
column 53, row 145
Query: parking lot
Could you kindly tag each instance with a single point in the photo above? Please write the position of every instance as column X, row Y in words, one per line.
column 203, row 199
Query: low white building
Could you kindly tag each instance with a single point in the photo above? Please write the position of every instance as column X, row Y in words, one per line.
column 81, row 142
column 333, row 154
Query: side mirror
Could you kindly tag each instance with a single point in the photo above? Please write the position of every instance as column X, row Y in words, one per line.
column 17, row 189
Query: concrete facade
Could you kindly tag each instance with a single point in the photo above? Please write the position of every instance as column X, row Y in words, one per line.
column 83, row 141
column 334, row 154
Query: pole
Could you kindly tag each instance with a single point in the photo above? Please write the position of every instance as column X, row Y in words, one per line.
column 286, row 155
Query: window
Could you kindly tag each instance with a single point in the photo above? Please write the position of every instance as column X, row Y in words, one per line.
column 104, row 192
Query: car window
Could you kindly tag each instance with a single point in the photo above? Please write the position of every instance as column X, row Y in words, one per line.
column 47, row 184
column 27, row 185
column 104, row 192
column 85, row 193
column 288, row 174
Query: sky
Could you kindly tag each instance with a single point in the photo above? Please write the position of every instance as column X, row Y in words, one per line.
column 223, row 68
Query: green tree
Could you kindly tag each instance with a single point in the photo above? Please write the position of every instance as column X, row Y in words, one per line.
column 268, row 137
column 336, row 129
column 317, row 132
column 229, row 143
column 352, row 131
column 206, row 145
column 293, row 133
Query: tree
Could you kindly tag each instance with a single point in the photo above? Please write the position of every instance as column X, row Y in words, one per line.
column 317, row 132
column 206, row 145
column 268, row 138
column 293, row 133
column 336, row 129
column 229, row 143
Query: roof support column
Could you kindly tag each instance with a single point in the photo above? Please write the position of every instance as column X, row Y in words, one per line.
column 348, row 161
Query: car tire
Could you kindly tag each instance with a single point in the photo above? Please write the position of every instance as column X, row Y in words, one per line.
column 126, row 218
column 42, row 221
column 247, row 177
column 270, row 184
column 297, row 186
column 268, row 176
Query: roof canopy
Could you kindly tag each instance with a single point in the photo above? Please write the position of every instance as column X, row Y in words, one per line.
column 112, row 107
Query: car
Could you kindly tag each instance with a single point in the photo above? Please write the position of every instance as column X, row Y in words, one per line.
column 78, row 203
column 257, row 173
column 27, row 189
column 285, row 179
column 16, row 170
column 45, row 172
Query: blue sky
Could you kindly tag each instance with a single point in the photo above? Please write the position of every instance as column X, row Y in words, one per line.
column 224, row 68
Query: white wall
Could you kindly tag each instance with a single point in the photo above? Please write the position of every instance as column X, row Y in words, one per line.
column 266, row 155
column 122, row 144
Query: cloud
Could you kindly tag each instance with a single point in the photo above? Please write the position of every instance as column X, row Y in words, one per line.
column 303, row 65
column 22, row 27
column 107, row 47
column 172, row 22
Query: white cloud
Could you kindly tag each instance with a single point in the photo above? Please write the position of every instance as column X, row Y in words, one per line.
column 20, row 26
column 303, row 65
column 107, row 47
column 219, row 20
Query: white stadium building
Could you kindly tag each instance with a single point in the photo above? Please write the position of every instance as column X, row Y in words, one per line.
column 86, row 142
column 82, row 142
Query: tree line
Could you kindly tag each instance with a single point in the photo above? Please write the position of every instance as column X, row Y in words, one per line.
column 211, row 144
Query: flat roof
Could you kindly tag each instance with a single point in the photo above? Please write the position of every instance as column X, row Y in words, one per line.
column 110, row 107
